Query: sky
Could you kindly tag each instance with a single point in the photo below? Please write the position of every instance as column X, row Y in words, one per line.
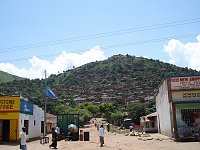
column 56, row 36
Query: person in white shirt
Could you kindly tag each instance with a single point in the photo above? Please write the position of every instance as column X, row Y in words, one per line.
column 101, row 135
column 23, row 139
column 57, row 130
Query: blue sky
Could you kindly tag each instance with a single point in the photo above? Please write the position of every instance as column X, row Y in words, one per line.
column 56, row 35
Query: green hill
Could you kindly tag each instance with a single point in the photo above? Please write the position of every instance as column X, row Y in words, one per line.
column 118, row 79
column 6, row 77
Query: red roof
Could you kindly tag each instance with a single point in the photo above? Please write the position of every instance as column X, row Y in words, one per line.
column 50, row 116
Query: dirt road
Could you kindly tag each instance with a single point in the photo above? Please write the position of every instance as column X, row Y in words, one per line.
column 113, row 141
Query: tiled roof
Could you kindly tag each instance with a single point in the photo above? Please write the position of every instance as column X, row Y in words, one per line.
column 51, row 116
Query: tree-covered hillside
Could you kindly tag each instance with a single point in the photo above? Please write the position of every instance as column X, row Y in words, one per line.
column 6, row 77
column 118, row 79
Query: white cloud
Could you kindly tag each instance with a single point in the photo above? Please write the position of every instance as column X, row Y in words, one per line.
column 184, row 55
column 62, row 62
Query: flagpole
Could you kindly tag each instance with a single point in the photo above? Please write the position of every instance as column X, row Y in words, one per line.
column 45, row 104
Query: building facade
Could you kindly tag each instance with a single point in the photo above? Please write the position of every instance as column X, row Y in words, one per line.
column 51, row 122
column 178, row 107
column 15, row 113
column 149, row 123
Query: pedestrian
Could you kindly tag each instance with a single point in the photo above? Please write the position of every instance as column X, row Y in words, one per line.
column 23, row 139
column 108, row 127
column 97, row 127
column 131, row 128
column 101, row 135
column 54, row 139
column 95, row 122
column 57, row 130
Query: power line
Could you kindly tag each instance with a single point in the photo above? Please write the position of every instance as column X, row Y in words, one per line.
column 117, row 45
column 101, row 35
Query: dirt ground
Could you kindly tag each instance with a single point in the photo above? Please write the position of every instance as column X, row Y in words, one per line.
column 113, row 141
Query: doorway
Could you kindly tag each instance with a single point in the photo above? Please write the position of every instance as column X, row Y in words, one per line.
column 5, row 130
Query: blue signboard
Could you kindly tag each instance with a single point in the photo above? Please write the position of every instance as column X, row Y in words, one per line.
column 26, row 107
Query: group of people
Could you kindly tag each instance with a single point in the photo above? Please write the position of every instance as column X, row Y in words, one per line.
column 55, row 133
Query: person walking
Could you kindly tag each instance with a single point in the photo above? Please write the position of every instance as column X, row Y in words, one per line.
column 101, row 135
column 108, row 127
column 23, row 139
column 57, row 130
column 54, row 139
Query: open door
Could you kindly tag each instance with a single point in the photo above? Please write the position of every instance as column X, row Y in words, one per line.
column 5, row 130
column 1, row 136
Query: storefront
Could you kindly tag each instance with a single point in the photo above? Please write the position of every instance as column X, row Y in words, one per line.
column 9, row 118
column 17, row 112
column 178, row 107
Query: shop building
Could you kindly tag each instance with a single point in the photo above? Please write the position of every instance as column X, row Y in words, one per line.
column 178, row 107
column 149, row 123
column 15, row 113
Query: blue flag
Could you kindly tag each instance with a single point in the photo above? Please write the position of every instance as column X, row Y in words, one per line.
column 49, row 93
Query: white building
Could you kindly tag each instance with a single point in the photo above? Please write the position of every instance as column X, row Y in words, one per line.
column 178, row 107
column 33, row 122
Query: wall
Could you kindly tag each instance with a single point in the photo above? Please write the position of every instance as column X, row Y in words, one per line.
column 37, row 117
column 186, row 95
column 163, row 108
column 51, row 122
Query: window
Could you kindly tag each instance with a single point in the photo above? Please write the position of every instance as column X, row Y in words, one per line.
column 188, row 116
column 42, row 126
column 153, row 124
column 26, row 124
column 34, row 122
column 147, row 124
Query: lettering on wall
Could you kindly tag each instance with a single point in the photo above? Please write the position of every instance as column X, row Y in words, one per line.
column 7, row 104
column 186, row 95
column 191, row 95
column 185, row 82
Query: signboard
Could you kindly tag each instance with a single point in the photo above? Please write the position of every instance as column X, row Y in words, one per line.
column 9, row 103
column 186, row 95
column 184, row 83
column 26, row 107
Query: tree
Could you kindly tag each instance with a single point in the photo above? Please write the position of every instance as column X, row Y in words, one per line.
column 90, row 107
column 116, row 117
column 84, row 115
column 61, row 109
column 106, row 109
column 135, row 111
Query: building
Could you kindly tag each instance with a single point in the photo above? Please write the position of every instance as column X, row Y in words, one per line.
column 51, row 122
column 15, row 113
column 149, row 123
column 178, row 107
